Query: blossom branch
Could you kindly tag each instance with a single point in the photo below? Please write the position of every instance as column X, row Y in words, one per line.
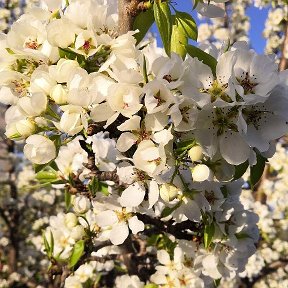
column 168, row 227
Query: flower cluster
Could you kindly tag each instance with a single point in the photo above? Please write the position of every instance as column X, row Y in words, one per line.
column 275, row 29
column 146, row 146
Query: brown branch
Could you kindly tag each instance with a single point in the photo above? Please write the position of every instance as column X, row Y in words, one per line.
column 178, row 230
column 128, row 10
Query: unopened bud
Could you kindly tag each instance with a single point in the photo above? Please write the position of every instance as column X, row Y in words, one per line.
column 201, row 173
column 168, row 192
column 81, row 204
column 196, row 153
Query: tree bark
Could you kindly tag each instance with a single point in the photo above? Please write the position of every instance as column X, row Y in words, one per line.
column 127, row 11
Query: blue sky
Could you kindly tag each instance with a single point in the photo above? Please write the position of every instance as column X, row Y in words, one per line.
column 257, row 20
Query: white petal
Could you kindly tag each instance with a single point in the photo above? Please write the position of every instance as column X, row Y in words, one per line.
column 163, row 136
column 130, row 124
column 163, row 257
column 135, row 225
column 133, row 195
column 191, row 210
column 125, row 141
column 101, row 112
column 106, row 218
column 153, row 194
column 210, row 267
column 224, row 67
column 233, row 148
column 119, row 233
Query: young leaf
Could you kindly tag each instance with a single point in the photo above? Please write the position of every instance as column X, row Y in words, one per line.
column 68, row 54
column 209, row 231
column 103, row 188
column 39, row 167
column 178, row 39
column 163, row 19
column 76, row 253
column 143, row 22
column 188, row 24
column 94, row 186
column 67, row 197
column 257, row 170
column 47, row 249
column 185, row 145
column 52, row 244
column 167, row 210
column 202, row 56
column 240, row 170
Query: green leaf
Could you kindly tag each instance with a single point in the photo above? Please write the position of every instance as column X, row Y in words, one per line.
column 54, row 166
column 163, row 19
column 57, row 141
column 257, row 170
column 162, row 241
column 94, row 186
column 143, row 22
column 67, row 197
column 153, row 239
column 217, row 282
column 77, row 252
column 144, row 71
column 168, row 210
column 188, row 24
column 39, row 167
column 46, row 244
column 48, row 249
column 185, row 145
column 10, row 51
column 202, row 56
column 209, row 231
column 52, row 244
column 240, row 170
column 178, row 39
column 68, row 53
column 103, row 187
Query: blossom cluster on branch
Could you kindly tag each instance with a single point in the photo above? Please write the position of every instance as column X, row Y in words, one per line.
column 147, row 148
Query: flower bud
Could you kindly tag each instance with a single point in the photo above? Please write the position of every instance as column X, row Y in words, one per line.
column 63, row 70
column 34, row 105
column 70, row 122
column 168, row 192
column 201, row 173
column 70, row 220
column 81, row 204
column 39, row 149
column 58, row 94
column 77, row 232
column 20, row 129
column 196, row 153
